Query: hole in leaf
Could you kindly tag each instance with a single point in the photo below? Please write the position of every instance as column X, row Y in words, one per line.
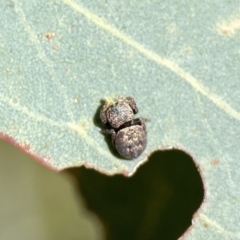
column 157, row 202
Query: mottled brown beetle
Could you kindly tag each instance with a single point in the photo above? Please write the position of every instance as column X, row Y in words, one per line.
column 117, row 112
column 129, row 135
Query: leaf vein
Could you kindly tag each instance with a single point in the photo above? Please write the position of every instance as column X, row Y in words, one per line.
column 212, row 223
column 72, row 126
column 42, row 55
column 194, row 82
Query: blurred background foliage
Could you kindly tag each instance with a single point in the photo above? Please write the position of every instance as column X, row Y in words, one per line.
column 158, row 202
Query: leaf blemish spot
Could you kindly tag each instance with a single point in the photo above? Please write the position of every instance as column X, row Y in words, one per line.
column 215, row 162
column 50, row 35
column 187, row 50
column 55, row 47
column 7, row 69
column 76, row 100
column 172, row 28
column 84, row 125
column 205, row 225
column 230, row 28
column 47, row 159
column 26, row 146
column 15, row 101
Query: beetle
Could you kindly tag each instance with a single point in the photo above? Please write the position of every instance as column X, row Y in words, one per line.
column 129, row 135
column 118, row 112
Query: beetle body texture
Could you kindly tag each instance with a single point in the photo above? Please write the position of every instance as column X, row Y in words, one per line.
column 119, row 114
column 129, row 135
column 130, row 142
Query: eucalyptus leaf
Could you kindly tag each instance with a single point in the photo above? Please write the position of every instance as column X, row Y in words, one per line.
column 178, row 59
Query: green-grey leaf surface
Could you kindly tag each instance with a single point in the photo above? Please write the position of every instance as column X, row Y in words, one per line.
column 178, row 59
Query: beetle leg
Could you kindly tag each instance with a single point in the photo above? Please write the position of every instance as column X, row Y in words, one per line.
column 141, row 122
column 103, row 116
column 107, row 131
column 113, row 137
column 132, row 104
column 110, row 131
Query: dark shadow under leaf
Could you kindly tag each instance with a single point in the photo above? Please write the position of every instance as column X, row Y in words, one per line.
column 158, row 202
